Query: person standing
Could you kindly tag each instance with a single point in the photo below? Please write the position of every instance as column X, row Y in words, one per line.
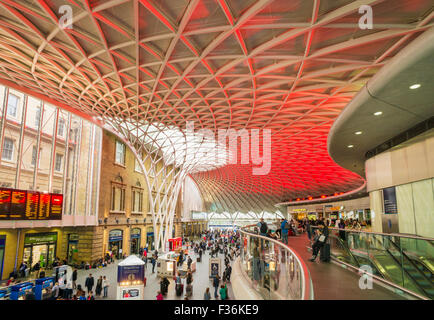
column 284, row 229
column 263, row 227
column 89, row 283
column 159, row 296
column 55, row 291
column 215, row 284
column 74, row 279
column 98, row 287
column 207, row 295
column 222, row 292
column 68, row 290
column 105, row 286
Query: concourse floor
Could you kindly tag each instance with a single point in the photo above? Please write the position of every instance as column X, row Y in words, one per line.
column 332, row 282
column 201, row 280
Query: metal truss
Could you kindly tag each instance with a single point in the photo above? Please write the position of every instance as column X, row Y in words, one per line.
column 147, row 67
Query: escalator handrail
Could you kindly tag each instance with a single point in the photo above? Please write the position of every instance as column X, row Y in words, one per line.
column 400, row 235
column 345, row 247
column 412, row 263
column 305, row 275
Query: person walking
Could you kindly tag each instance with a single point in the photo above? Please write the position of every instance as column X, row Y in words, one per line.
column 105, row 286
column 89, row 283
column 74, row 279
column 153, row 261
column 215, row 283
column 207, row 295
column 263, row 227
column 98, row 287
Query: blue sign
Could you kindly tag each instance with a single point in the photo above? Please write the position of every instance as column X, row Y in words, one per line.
column 41, row 284
column 389, row 200
column 115, row 238
column 135, row 236
column 19, row 290
column 131, row 273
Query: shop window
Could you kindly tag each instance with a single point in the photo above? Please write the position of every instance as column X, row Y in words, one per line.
column 8, row 149
column 13, row 101
column 120, row 153
column 58, row 164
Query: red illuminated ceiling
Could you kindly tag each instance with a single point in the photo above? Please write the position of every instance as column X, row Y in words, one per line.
column 290, row 66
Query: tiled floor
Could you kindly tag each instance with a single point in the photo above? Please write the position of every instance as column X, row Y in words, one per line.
column 200, row 280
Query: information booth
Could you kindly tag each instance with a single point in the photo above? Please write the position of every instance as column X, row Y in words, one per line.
column 166, row 265
column 41, row 286
column 18, row 291
column 131, row 275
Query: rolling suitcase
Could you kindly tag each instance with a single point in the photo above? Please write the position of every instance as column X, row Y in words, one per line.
column 325, row 253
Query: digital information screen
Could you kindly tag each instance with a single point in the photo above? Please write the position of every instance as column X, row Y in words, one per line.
column 30, row 205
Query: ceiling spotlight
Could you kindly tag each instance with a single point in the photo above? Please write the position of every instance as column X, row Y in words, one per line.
column 358, row 132
column 350, row 146
column 415, row 86
column 378, row 113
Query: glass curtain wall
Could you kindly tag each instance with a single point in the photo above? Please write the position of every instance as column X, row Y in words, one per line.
column 47, row 149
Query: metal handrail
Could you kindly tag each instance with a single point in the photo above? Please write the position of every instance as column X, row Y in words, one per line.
column 382, row 234
column 305, row 276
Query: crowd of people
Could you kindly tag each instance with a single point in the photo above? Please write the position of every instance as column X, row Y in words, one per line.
column 225, row 243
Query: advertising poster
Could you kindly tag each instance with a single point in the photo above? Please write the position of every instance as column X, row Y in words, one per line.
column 389, row 200
column 131, row 273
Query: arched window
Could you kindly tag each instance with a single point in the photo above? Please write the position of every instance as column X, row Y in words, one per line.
column 118, row 195
column 137, row 198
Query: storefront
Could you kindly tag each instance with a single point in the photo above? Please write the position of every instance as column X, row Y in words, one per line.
column 115, row 243
column 2, row 254
column 72, row 249
column 40, row 247
column 135, row 238
column 150, row 239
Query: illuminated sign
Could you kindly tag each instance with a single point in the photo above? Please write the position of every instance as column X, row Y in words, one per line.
column 30, row 205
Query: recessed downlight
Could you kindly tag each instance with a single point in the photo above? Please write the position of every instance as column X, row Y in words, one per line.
column 415, row 86
column 350, row 146
column 378, row 113
column 358, row 132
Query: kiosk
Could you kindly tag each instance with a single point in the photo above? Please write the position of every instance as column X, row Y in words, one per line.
column 131, row 275
column 175, row 243
column 18, row 291
column 166, row 265
column 215, row 267
column 41, row 286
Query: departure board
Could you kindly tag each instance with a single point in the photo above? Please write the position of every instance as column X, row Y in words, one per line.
column 56, row 206
column 5, row 203
column 30, row 205
column 18, row 204
column 44, row 206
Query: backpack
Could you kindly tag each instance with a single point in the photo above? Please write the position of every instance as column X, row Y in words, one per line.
column 264, row 227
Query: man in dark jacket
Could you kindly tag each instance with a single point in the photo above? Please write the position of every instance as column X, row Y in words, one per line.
column 74, row 279
column 215, row 283
column 89, row 283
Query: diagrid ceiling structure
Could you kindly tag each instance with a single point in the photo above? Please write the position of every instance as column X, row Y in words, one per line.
column 148, row 67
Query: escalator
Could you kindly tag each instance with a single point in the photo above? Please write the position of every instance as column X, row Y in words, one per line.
column 387, row 260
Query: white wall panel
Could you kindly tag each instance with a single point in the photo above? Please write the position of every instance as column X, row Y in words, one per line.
column 404, row 195
column 423, row 195
column 417, row 161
